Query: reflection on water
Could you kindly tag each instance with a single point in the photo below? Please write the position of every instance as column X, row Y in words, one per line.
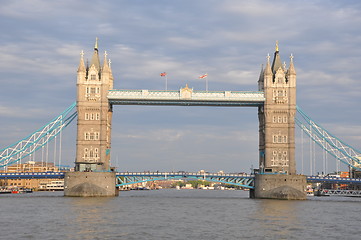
column 93, row 218
column 89, row 213
column 278, row 218
column 172, row 214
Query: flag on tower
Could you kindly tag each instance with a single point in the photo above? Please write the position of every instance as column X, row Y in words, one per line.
column 163, row 74
column 203, row 76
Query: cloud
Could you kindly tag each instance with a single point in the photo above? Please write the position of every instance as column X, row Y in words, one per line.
column 229, row 40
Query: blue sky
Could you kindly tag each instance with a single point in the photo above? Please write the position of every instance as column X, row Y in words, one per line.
column 41, row 41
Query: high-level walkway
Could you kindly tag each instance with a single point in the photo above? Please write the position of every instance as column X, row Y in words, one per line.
column 186, row 97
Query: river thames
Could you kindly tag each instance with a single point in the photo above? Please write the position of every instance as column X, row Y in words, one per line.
column 177, row 214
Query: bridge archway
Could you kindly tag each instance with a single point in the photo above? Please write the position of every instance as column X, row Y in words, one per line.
column 194, row 140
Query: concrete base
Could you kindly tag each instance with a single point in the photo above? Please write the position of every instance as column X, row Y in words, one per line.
column 90, row 184
column 276, row 186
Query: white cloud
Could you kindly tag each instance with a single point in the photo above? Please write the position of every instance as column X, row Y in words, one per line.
column 229, row 40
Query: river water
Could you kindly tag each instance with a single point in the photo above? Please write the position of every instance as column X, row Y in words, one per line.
column 177, row 214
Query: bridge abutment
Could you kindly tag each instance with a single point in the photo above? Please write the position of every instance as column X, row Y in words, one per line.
column 279, row 186
column 90, row 184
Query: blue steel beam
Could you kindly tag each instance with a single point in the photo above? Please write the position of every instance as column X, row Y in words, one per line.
column 330, row 143
column 186, row 103
column 38, row 139
column 327, row 179
column 241, row 180
column 32, row 175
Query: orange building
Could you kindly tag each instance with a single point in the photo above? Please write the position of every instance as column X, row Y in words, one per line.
column 30, row 166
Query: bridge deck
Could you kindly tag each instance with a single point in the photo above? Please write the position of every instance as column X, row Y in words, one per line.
column 186, row 97
column 37, row 175
column 181, row 174
column 328, row 179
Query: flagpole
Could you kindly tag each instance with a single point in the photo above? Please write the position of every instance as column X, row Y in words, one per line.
column 205, row 76
column 207, row 83
column 166, row 82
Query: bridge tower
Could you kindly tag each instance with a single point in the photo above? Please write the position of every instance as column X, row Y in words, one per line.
column 277, row 166
column 276, row 117
column 93, row 175
column 94, row 114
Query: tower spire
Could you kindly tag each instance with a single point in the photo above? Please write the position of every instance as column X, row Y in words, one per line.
column 277, row 63
column 95, row 58
column 96, row 44
column 291, row 69
column 105, row 63
column 268, row 69
column 81, row 63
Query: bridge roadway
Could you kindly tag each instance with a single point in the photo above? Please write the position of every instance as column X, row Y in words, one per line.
column 133, row 177
column 186, row 97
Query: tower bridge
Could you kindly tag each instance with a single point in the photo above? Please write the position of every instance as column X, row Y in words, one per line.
column 275, row 100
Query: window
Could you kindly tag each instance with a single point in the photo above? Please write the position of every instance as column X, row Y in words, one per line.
column 86, row 116
column 96, row 152
column 279, row 138
column 279, row 158
column 93, row 77
column 85, row 152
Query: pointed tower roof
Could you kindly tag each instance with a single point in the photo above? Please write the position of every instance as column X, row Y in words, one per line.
column 267, row 69
column 106, row 67
column 261, row 74
column 277, row 63
column 291, row 69
column 95, row 58
column 81, row 63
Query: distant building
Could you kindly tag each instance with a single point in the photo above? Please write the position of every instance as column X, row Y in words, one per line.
column 30, row 166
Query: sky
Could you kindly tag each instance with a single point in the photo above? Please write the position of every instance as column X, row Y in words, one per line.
column 40, row 50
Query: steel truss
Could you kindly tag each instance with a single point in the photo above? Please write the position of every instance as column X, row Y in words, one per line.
column 241, row 180
column 331, row 144
column 347, row 193
column 38, row 139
